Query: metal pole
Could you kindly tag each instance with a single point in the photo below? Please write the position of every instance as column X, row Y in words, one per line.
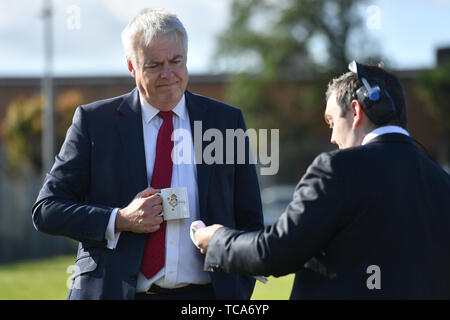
column 48, row 130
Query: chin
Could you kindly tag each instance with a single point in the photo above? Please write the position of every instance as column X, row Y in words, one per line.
column 170, row 101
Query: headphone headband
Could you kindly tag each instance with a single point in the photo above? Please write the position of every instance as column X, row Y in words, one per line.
column 358, row 69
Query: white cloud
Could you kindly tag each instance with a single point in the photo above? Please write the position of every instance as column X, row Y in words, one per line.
column 124, row 11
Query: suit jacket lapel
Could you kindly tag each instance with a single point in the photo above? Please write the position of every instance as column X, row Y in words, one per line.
column 199, row 112
column 129, row 122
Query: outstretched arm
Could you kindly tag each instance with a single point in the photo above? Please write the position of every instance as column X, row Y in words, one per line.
column 303, row 230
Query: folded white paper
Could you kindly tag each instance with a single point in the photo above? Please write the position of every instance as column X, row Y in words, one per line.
column 197, row 224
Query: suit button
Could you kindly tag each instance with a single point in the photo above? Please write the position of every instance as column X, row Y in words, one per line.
column 133, row 277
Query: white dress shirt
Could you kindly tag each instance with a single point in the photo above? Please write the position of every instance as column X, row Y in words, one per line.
column 383, row 130
column 184, row 264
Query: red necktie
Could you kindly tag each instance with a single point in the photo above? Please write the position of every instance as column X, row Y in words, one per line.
column 155, row 247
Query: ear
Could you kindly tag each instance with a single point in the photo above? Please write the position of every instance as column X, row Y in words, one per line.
column 131, row 68
column 357, row 114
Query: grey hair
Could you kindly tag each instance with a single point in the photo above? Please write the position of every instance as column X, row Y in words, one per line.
column 148, row 24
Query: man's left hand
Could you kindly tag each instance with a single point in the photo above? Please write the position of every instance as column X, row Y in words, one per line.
column 204, row 235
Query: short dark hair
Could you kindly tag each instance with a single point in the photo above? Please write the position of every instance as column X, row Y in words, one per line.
column 346, row 85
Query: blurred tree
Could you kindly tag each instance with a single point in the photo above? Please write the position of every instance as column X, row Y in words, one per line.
column 281, row 37
column 273, row 43
column 66, row 103
column 22, row 127
column 433, row 88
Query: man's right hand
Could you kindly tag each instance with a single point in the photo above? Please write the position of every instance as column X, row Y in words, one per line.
column 141, row 215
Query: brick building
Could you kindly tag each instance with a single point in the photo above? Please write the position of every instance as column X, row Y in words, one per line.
column 18, row 194
column 214, row 86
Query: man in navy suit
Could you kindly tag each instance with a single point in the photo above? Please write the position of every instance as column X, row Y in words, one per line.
column 99, row 191
column 368, row 221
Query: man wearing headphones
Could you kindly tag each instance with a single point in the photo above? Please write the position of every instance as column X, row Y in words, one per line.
column 367, row 221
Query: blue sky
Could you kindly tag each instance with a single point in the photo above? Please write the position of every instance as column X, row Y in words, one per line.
column 412, row 30
column 408, row 33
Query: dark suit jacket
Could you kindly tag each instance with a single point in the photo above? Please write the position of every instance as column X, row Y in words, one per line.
column 381, row 204
column 101, row 166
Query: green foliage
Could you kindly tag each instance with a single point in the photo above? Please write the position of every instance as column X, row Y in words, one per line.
column 22, row 127
column 280, row 35
column 433, row 88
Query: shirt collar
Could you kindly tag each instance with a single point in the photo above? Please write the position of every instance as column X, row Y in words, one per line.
column 149, row 111
column 383, row 130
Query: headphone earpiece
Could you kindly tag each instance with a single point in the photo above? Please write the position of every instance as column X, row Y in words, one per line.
column 379, row 111
column 375, row 101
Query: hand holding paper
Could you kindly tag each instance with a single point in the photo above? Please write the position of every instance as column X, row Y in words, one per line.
column 201, row 235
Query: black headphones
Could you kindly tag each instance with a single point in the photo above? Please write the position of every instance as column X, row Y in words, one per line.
column 375, row 101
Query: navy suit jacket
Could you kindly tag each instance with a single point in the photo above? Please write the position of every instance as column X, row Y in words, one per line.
column 101, row 165
column 368, row 216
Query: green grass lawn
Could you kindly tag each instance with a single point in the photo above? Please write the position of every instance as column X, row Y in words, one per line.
column 35, row 280
column 46, row 280
column 274, row 289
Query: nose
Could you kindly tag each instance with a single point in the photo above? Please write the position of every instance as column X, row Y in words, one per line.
column 333, row 139
column 166, row 71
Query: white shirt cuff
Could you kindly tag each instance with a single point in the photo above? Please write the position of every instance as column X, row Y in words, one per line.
column 111, row 236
